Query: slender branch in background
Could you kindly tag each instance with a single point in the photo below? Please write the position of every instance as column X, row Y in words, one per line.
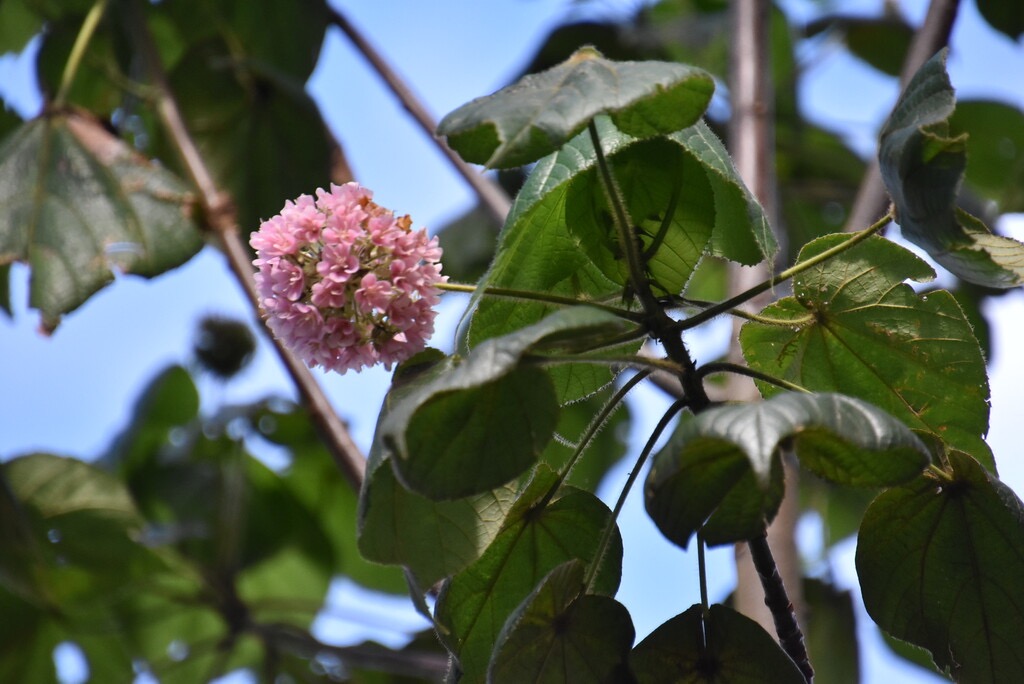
column 222, row 220
column 752, row 143
column 490, row 194
column 92, row 20
column 929, row 39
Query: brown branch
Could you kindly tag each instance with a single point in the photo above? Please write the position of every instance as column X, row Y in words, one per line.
column 222, row 220
column 491, row 196
column 929, row 39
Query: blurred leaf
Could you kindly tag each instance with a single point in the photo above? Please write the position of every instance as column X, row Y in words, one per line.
column 28, row 635
column 259, row 132
column 536, row 538
column 923, row 168
column 168, row 404
column 852, row 326
column 880, row 41
column 831, row 633
column 468, row 243
column 558, row 630
column 488, row 405
column 841, row 508
column 687, row 31
column 317, row 482
column 99, row 82
column 78, row 533
column 77, row 202
column 18, row 23
column 538, row 114
column 726, row 647
column 285, row 37
column 940, row 562
column 720, row 471
column 818, row 176
column 1006, row 16
column 995, row 162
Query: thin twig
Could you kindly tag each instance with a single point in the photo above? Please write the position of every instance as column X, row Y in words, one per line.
column 222, row 220
column 932, row 36
column 491, row 196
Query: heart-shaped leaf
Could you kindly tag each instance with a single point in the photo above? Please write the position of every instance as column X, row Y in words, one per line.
column 77, row 203
column 940, row 562
column 712, row 456
column 536, row 538
column 433, row 539
column 488, row 419
column 723, row 647
column 852, row 326
column 923, row 167
column 558, row 630
column 541, row 112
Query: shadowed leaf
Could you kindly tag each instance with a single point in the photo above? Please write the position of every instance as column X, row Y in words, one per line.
column 696, row 479
column 940, row 565
column 923, row 167
column 726, row 648
column 558, row 630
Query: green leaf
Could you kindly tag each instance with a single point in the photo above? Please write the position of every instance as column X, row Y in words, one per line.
column 741, row 231
column 317, row 482
column 434, row 539
column 555, row 242
column 880, row 41
column 648, row 173
column 489, row 418
column 831, row 633
column 712, row 457
column 724, row 648
column 77, row 534
column 78, row 204
column 29, row 636
column 995, row 164
column 18, row 23
column 1003, row 15
column 852, row 326
column 558, row 630
column 940, row 562
column 538, row 114
column 259, row 132
column 536, row 538
column 922, row 168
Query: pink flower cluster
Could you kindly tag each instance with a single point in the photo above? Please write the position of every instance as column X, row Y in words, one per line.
column 344, row 283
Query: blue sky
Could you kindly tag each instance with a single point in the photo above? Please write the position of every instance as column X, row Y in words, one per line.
column 69, row 393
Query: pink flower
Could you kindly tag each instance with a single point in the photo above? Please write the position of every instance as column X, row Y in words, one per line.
column 344, row 283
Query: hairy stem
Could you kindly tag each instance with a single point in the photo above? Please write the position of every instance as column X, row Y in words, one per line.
column 609, row 529
column 222, row 220
column 728, row 367
column 775, row 597
column 791, row 272
column 546, row 297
